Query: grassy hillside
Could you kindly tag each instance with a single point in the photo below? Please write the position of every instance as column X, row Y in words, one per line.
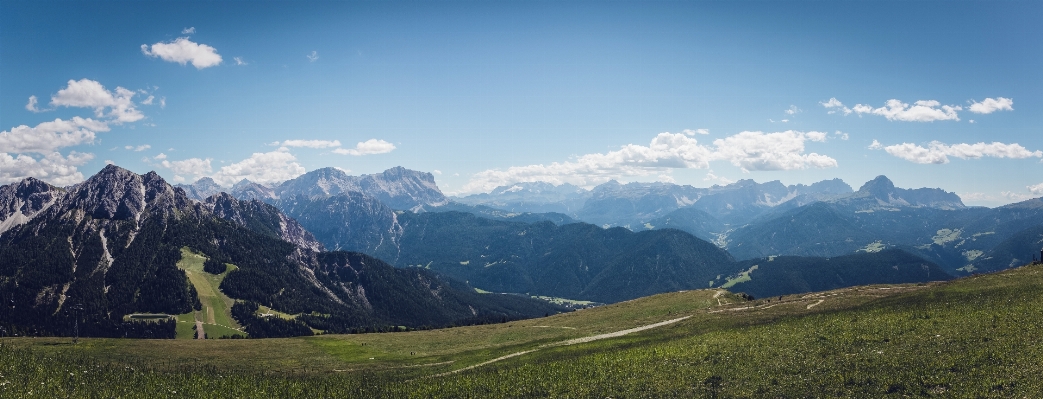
column 973, row 337
column 216, row 314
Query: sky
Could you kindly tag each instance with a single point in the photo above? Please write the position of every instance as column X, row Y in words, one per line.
column 483, row 94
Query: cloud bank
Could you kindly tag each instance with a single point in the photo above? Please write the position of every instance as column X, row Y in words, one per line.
column 938, row 153
column 666, row 151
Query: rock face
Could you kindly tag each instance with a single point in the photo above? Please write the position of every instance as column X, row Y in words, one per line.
column 398, row 187
column 881, row 192
column 263, row 218
column 20, row 202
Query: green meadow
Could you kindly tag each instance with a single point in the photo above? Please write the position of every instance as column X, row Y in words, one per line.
column 976, row 337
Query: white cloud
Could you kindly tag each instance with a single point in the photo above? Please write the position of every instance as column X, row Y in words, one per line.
column 160, row 156
column 163, row 102
column 938, row 153
column 188, row 31
column 31, row 105
column 772, row 151
column 920, row 111
column 310, row 143
column 690, row 132
column 368, row 147
column 436, row 171
column 711, row 177
column 990, row 105
column 49, row 136
column 793, row 110
column 265, row 168
column 666, row 151
column 52, row 168
column 841, row 135
column 1036, row 189
column 834, row 103
column 314, row 56
column 109, row 162
column 138, row 148
column 191, row 166
column 148, row 101
column 86, row 93
column 239, row 61
column 183, row 51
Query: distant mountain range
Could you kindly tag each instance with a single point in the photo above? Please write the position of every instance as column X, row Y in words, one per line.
column 113, row 242
column 749, row 219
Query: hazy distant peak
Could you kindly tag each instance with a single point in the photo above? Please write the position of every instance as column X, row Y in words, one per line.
column 880, row 184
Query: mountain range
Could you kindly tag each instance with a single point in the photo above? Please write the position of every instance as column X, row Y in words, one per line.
column 111, row 245
column 404, row 254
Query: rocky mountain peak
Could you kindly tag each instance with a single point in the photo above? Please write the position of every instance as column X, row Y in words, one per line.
column 113, row 193
column 879, row 187
column 20, row 201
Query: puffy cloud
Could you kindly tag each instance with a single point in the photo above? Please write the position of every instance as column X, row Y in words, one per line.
column 1036, row 189
column 772, row 151
column 666, row 151
column 938, row 153
column 834, row 103
column 52, row 168
column 436, row 171
column 191, row 166
column 368, row 147
column 920, row 111
column 183, row 51
column 138, row 148
column 160, row 156
column 261, row 167
column 49, row 136
column 990, row 105
column 314, row 56
column 86, row 93
column 310, row 143
column 31, row 105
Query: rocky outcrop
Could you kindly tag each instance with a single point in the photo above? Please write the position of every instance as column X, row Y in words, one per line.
column 263, row 218
column 21, row 201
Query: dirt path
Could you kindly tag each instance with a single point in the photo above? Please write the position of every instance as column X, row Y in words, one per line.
column 816, row 303
column 200, row 334
column 568, row 342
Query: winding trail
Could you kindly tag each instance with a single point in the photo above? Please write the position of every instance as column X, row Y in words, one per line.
column 816, row 303
column 573, row 341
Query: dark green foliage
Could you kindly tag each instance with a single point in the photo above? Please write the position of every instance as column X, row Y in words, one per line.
column 576, row 261
column 786, row 275
column 266, row 327
column 214, row 266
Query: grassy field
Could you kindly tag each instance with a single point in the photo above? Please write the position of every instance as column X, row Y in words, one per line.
column 217, row 308
column 973, row 337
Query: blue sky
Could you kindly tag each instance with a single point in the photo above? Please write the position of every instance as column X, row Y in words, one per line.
column 933, row 94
